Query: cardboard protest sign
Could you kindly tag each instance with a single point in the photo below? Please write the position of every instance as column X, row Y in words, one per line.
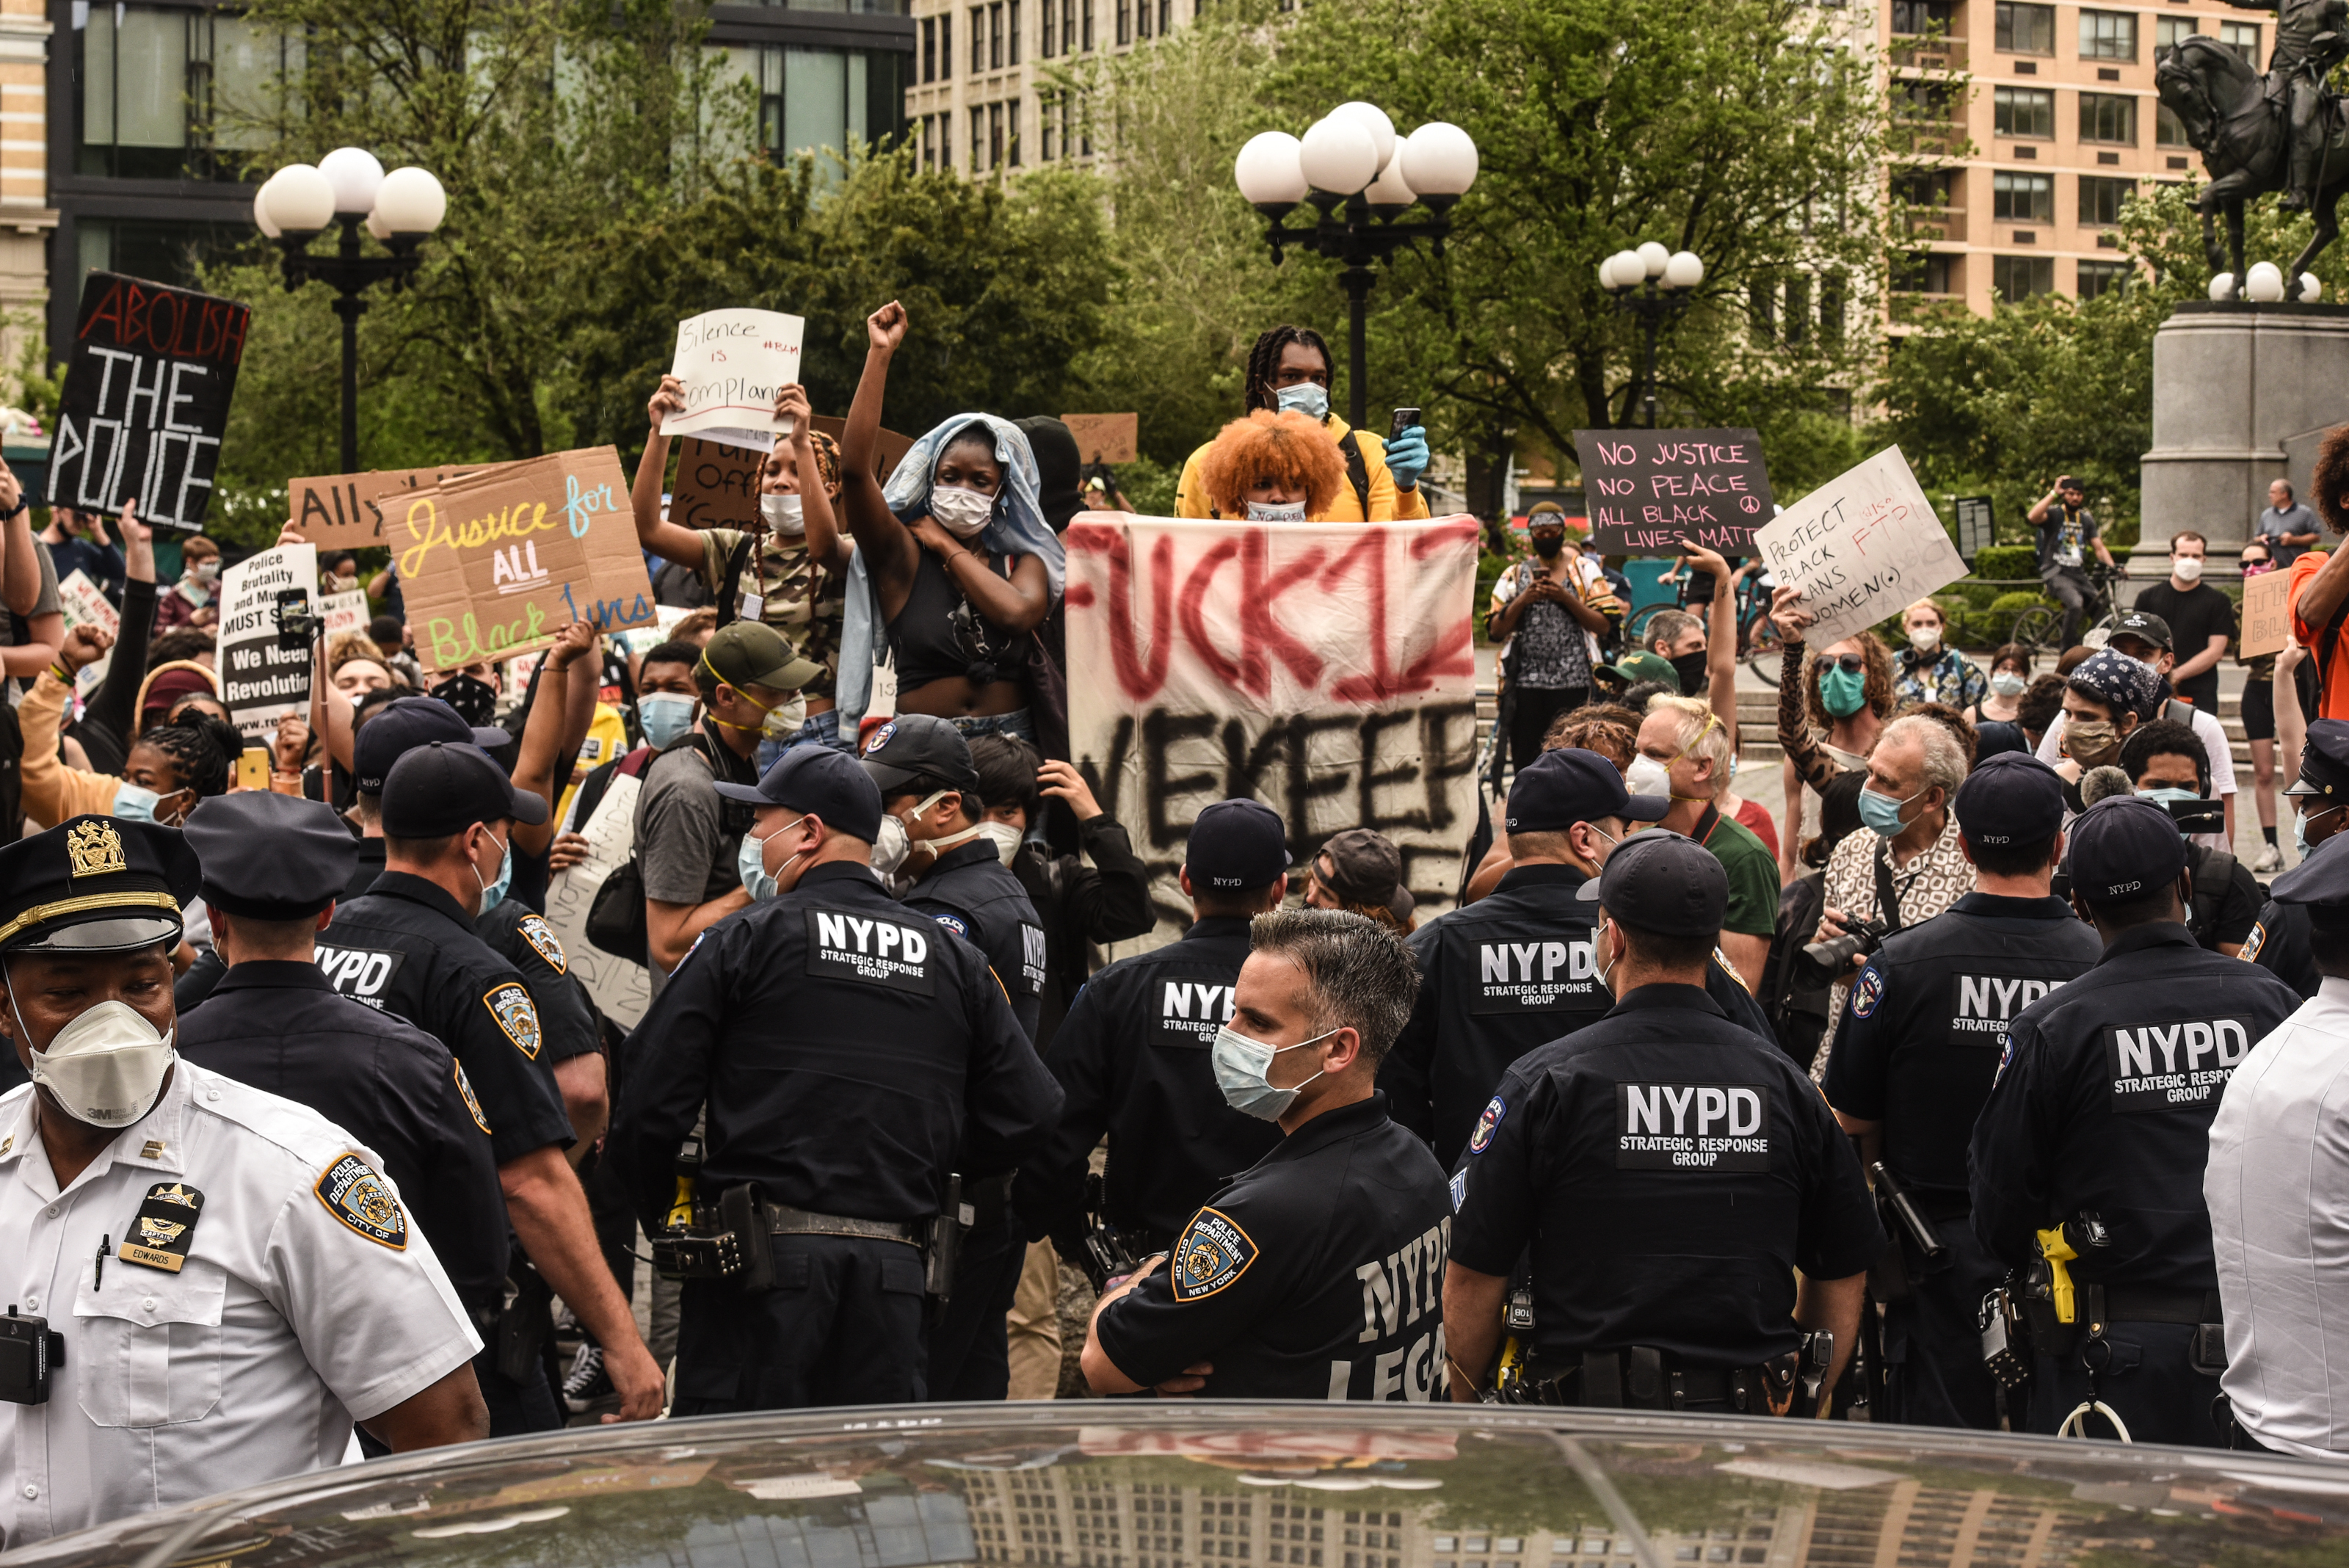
column 1324, row 669
column 622, row 988
column 146, row 399
column 2267, row 613
column 889, row 447
column 345, row 612
column 346, row 510
column 1648, row 488
column 261, row 682
column 1105, row 437
column 716, row 486
column 1864, row 546
column 497, row 561
column 85, row 604
column 732, row 363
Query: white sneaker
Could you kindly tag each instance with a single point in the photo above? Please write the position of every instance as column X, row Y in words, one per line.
column 2268, row 859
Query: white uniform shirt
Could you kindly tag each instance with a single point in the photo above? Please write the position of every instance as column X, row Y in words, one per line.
column 2277, row 1188
column 286, row 1322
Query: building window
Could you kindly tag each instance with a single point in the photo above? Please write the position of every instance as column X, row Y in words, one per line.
column 1924, row 272
column 2025, row 113
column 1089, row 25
column 1012, row 43
column 1913, row 17
column 2022, row 198
column 2108, row 116
column 995, row 37
column 1016, row 111
column 1043, row 127
column 945, row 46
column 994, row 137
column 929, row 51
column 2101, row 198
column 977, row 39
column 1165, row 16
column 1917, row 102
column 2102, row 277
column 1142, row 20
column 1124, row 23
column 1067, row 26
column 2169, row 130
column 2014, row 279
column 945, row 166
column 1048, row 22
column 152, row 84
column 811, row 98
column 1929, row 188
column 2026, row 29
column 2168, row 32
column 978, row 150
column 2107, row 36
column 2243, row 37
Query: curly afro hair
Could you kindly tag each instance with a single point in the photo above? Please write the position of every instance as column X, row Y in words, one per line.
column 1288, row 447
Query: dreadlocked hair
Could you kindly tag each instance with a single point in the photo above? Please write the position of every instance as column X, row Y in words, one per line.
column 198, row 750
column 1265, row 358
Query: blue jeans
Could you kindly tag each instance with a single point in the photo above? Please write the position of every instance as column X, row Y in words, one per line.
column 818, row 729
column 1015, row 724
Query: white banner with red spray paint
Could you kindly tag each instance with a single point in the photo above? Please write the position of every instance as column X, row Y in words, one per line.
column 1326, row 670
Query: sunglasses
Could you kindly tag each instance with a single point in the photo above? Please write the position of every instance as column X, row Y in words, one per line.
column 1849, row 663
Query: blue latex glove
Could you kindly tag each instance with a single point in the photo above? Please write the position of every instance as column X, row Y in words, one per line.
column 1407, row 456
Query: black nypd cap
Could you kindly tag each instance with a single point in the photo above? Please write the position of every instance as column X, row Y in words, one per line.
column 2322, row 879
column 95, row 885
column 2325, row 763
column 1561, row 788
column 2009, row 798
column 271, row 857
column 1235, row 844
column 1661, row 881
column 2125, row 847
column 402, row 725
column 820, row 779
column 912, row 747
column 444, row 788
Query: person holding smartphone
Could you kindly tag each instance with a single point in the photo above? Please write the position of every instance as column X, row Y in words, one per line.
column 1540, row 609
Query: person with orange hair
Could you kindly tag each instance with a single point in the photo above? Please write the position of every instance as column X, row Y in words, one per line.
column 1273, row 468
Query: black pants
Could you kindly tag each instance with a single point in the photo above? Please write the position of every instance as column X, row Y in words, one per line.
column 1934, row 1375
column 515, row 1408
column 2070, row 587
column 612, row 1207
column 970, row 1348
column 1536, row 708
column 2146, row 1377
column 841, row 1326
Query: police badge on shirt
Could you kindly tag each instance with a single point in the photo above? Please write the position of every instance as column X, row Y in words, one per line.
column 164, row 1228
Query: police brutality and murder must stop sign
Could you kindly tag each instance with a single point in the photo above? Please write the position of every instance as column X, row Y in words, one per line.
column 1647, row 490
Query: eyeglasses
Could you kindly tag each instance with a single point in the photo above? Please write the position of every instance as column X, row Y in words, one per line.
column 1849, row 663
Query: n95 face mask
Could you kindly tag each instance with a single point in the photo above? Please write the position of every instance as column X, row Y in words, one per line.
column 106, row 1066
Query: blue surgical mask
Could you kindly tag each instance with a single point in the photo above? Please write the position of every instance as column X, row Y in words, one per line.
column 751, row 864
column 132, row 804
column 2300, row 829
column 1240, row 1065
column 1308, row 397
column 2007, row 683
column 665, row 716
column 1881, row 813
column 1843, row 692
column 2168, row 793
column 494, row 893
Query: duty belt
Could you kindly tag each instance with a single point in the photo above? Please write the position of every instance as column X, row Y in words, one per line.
column 720, row 1254
column 2135, row 1304
column 1638, row 1379
column 784, row 1221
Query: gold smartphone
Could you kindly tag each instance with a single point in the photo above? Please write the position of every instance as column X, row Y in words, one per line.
column 253, row 768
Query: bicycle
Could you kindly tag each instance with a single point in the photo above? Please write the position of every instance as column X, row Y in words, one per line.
column 2040, row 627
column 1758, row 643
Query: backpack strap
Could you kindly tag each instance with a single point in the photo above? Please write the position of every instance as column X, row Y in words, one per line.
column 1358, row 473
column 729, row 587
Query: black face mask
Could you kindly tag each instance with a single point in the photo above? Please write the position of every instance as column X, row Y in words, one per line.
column 1548, row 549
column 1695, row 672
column 476, row 700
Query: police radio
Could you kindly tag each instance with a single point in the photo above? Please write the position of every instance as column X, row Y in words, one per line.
column 27, row 1352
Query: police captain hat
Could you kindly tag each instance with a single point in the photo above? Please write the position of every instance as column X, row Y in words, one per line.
column 1660, row 881
column 403, row 724
column 822, row 782
column 2123, row 848
column 2009, row 798
column 1237, row 844
column 2324, row 761
column 270, row 856
column 913, row 747
column 2321, row 881
column 442, row 789
column 95, row 885
column 1561, row 788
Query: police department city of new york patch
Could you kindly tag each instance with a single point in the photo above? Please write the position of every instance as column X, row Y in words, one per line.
column 1865, row 993
column 465, row 1088
column 517, row 1015
column 2254, row 942
column 541, row 937
column 1487, row 1125
column 164, row 1227
column 1211, row 1253
column 353, row 1194
column 952, row 923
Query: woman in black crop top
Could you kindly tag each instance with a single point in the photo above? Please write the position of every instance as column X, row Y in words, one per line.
column 958, row 614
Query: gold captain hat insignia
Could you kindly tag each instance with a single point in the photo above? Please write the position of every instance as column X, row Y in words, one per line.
column 94, row 849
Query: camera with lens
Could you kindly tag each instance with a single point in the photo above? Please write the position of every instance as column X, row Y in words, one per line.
column 1861, row 937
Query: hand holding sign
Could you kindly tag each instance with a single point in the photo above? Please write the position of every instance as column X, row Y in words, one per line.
column 2267, row 613
column 730, row 365
column 1860, row 548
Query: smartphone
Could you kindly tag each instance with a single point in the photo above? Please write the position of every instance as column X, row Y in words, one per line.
column 253, row 768
column 1403, row 419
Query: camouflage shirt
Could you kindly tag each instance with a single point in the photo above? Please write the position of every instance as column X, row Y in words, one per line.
column 804, row 602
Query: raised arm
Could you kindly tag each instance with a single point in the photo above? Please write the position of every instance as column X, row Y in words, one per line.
column 110, row 705
column 20, row 570
column 669, row 541
column 888, row 545
column 827, row 546
column 543, row 731
column 1720, row 635
column 1812, row 765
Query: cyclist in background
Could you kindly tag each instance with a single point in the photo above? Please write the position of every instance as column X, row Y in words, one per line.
column 2068, row 529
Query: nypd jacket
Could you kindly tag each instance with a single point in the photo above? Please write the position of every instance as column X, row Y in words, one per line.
column 970, row 892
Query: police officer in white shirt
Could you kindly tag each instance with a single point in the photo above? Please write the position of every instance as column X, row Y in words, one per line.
column 2277, row 1184
column 207, row 1285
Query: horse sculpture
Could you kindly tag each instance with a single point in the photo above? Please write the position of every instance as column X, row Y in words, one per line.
column 2244, row 139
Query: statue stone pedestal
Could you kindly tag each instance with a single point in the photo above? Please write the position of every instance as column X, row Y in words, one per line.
column 2242, row 394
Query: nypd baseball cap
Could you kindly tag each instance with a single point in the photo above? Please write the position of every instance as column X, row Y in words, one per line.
column 825, row 782
column 272, row 856
column 1561, row 788
column 913, row 747
column 2125, row 847
column 2009, row 798
column 440, row 789
column 1661, row 881
column 1237, row 844
column 403, row 724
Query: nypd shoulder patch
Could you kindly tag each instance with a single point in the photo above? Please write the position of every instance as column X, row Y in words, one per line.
column 1210, row 1255
column 353, row 1194
column 2254, row 942
column 517, row 1015
column 473, row 1106
column 543, row 941
column 1459, row 1190
column 1865, row 993
column 954, row 923
column 1487, row 1125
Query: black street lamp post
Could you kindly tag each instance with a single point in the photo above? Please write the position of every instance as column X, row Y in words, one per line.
column 1653, row 285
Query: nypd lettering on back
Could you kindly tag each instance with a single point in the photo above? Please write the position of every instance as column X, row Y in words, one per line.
column 842, row 946
column 1400, row 1292
column 1534, row 977
column 1986, row 1003
column 1691, row 1126
column 360, row 973
column 1191, row 1012
column 2166, row 1066
column 1031, row 959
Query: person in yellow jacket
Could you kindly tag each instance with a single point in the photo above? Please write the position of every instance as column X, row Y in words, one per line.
column 1288, row 370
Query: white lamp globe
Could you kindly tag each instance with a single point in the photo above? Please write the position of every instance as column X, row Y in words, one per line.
column 260, row 218
column 1338, row 155
column 1654, row 259
column 1684, row 270
column 1268, row 171
column 2310, row 290
column 1374, row 120
column 1439, row 160
column 1629, row 269
column 1606, row 275
column 410, row 201
column 2265, row 283
column 301, row 199
column 2222, row 287
column 1388, row 193
column 355, row 175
